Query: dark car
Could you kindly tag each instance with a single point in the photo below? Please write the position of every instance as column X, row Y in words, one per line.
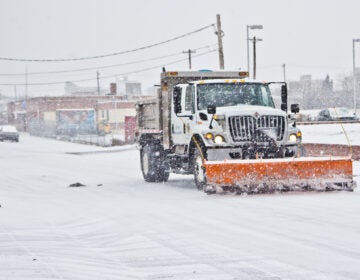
column 336, row 114
column 9, row 132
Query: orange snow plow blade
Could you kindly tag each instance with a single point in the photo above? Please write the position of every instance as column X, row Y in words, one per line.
column 333, row 173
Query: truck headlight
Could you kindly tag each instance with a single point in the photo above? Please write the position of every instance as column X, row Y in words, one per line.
column 292, row 138
column 219, row 139
column 209, row 136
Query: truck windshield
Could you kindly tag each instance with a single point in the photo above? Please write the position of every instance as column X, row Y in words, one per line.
column 230, row 94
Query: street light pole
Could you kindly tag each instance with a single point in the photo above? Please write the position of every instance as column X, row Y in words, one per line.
column 284, row 72
column 354, row 76
column 254, row 26
column 247, row 48
column 98, row 83
column 254, row 58
column 254, row 55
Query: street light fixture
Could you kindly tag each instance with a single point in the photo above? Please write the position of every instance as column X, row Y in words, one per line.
column 354, row 76
column 254, row 26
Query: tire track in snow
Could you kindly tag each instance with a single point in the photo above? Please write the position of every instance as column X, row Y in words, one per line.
column 226, row 223
column 37, row 264
column 64, row 255
column 223, row 229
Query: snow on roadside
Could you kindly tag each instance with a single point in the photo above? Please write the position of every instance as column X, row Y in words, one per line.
column 331, row 133
column 62, row 146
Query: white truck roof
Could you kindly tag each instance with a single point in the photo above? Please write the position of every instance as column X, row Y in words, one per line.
column 210, row 81
column 206, row 73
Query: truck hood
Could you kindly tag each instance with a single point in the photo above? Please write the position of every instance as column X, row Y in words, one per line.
column 246, row 110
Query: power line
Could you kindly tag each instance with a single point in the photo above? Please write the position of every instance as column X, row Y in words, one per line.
column 91, row 68
column 110, row 76
column 102, row 67
column 111, row 54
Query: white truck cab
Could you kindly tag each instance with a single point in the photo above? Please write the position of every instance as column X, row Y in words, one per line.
column 234, row 118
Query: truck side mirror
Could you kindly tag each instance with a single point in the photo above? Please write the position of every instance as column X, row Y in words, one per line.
column 295, row 108
column 177, row 100
column 284, row 98
column 283, row 94
column 211, row 109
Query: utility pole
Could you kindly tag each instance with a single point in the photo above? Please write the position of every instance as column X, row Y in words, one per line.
column 354, row 74
column 98, row 82
column 189, row 51
column 26, row 81
column 220, row 34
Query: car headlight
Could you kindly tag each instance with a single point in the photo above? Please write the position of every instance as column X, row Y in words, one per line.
column 292, row 138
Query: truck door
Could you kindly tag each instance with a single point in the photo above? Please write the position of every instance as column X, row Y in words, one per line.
column 181, row 121
column 189, row 111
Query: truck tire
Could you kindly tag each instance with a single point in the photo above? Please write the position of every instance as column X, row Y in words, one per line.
column 152, row 164
column 199, row 169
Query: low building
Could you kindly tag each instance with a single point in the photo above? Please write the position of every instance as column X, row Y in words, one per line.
column 3, row 111
column 39, row 115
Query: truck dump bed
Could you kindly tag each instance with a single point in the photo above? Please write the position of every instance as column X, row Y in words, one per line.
column 148, row 115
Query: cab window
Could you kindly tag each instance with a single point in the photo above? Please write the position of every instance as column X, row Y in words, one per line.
column 189, row 99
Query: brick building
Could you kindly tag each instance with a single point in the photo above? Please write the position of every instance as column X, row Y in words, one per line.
column 37, row 115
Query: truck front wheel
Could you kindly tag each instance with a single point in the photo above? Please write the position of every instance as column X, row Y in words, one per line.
column 152, row 164
column 199, row 169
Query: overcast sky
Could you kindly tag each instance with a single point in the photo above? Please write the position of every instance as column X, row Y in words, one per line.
column 310, row 37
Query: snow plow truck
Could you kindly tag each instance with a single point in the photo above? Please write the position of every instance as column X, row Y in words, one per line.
column 225, row 129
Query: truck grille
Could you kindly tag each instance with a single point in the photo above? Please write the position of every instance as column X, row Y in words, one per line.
column 248, row 128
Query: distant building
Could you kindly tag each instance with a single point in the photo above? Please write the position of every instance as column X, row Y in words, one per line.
column 125, row 88
column 38, row 115
column 357, row 74
column 128, row 89
column 316, row 94
column 132, row 88
column 3, row 111
column 75, row 90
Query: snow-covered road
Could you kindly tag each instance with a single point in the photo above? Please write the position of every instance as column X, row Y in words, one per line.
column 119, row 227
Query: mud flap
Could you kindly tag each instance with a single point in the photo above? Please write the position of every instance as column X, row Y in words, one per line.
column 318, row 173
